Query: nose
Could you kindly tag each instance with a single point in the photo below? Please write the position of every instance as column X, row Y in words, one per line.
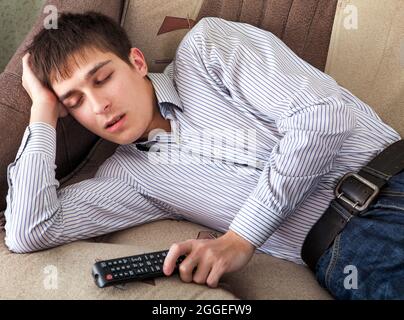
column 98, row 102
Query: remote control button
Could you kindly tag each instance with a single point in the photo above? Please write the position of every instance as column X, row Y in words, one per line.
column 109, row 277
column 138, row 259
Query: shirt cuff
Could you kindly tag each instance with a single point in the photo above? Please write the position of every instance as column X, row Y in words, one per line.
column 39, row 137
column 255, row 222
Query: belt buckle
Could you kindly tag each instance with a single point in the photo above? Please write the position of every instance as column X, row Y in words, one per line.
column 340, row 195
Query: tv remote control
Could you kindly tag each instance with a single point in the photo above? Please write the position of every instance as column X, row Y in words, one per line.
column 131, row 268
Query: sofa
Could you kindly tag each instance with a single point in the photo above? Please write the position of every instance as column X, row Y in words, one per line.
column 357, row 42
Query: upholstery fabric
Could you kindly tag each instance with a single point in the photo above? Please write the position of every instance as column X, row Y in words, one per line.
column 304, row 25
column 264, row 277
column 144, row 19
column 65, row 273
column 16, row 19
column 367, row 58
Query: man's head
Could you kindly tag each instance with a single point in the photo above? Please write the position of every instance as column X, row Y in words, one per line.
column 89, row 63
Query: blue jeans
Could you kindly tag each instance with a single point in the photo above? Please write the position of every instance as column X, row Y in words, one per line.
column 366, row 260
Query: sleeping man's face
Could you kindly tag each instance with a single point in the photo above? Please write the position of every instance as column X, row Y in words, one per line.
column 108, row 97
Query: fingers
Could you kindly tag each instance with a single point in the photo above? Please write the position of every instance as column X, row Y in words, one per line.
column 210, row 259
column 214, row 276
column 202, row 272
column 29, row 81
column 25, row 58
column 24, row 69
column 25, row 63
column 187, row 267
column 176, row 250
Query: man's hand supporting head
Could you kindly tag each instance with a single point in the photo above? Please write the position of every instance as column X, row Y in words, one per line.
column 45, row 105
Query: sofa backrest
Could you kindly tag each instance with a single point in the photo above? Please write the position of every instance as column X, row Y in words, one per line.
column 157, row 27
column 366, row 55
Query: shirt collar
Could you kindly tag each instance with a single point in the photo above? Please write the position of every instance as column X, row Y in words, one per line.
column 165, row 90
column 167, row 97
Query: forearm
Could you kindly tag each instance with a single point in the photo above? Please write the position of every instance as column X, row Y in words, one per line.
column 44, row 114
column 32, row 197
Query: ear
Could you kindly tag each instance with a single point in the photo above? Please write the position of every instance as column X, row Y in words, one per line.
column 138, row 61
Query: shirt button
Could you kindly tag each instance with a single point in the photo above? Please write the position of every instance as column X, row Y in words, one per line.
column 216, row 152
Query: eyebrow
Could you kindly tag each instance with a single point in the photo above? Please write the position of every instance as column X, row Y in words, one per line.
column 89, row 74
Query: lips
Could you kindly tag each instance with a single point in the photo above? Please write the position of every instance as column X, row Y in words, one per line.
column 113, row 121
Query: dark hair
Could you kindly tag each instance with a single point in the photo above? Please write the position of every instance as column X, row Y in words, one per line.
column 51, row 49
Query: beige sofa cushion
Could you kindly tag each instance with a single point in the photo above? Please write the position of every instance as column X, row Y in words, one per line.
column 65, row 273
column 369, row 60
column 264, row 277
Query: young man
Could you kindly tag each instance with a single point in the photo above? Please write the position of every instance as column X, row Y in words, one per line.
column 296, row 134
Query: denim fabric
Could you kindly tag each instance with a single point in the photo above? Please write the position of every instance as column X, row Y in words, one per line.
column 366, row 260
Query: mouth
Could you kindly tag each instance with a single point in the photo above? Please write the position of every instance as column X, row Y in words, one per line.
column 115, row 123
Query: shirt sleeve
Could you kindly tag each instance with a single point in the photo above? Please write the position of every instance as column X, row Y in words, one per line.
column 40, row 216
column 257, row 70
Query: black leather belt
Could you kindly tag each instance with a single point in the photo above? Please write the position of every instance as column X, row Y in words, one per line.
column 354, row 193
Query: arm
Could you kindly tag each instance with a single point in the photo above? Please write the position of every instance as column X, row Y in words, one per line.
column 38, row 215
column 257, row 70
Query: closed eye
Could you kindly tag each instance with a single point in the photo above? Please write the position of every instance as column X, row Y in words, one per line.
column 77, row 104
column 100, row 82
column 104, row 80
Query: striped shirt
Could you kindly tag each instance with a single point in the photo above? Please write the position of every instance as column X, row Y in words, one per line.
column 259, row 139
